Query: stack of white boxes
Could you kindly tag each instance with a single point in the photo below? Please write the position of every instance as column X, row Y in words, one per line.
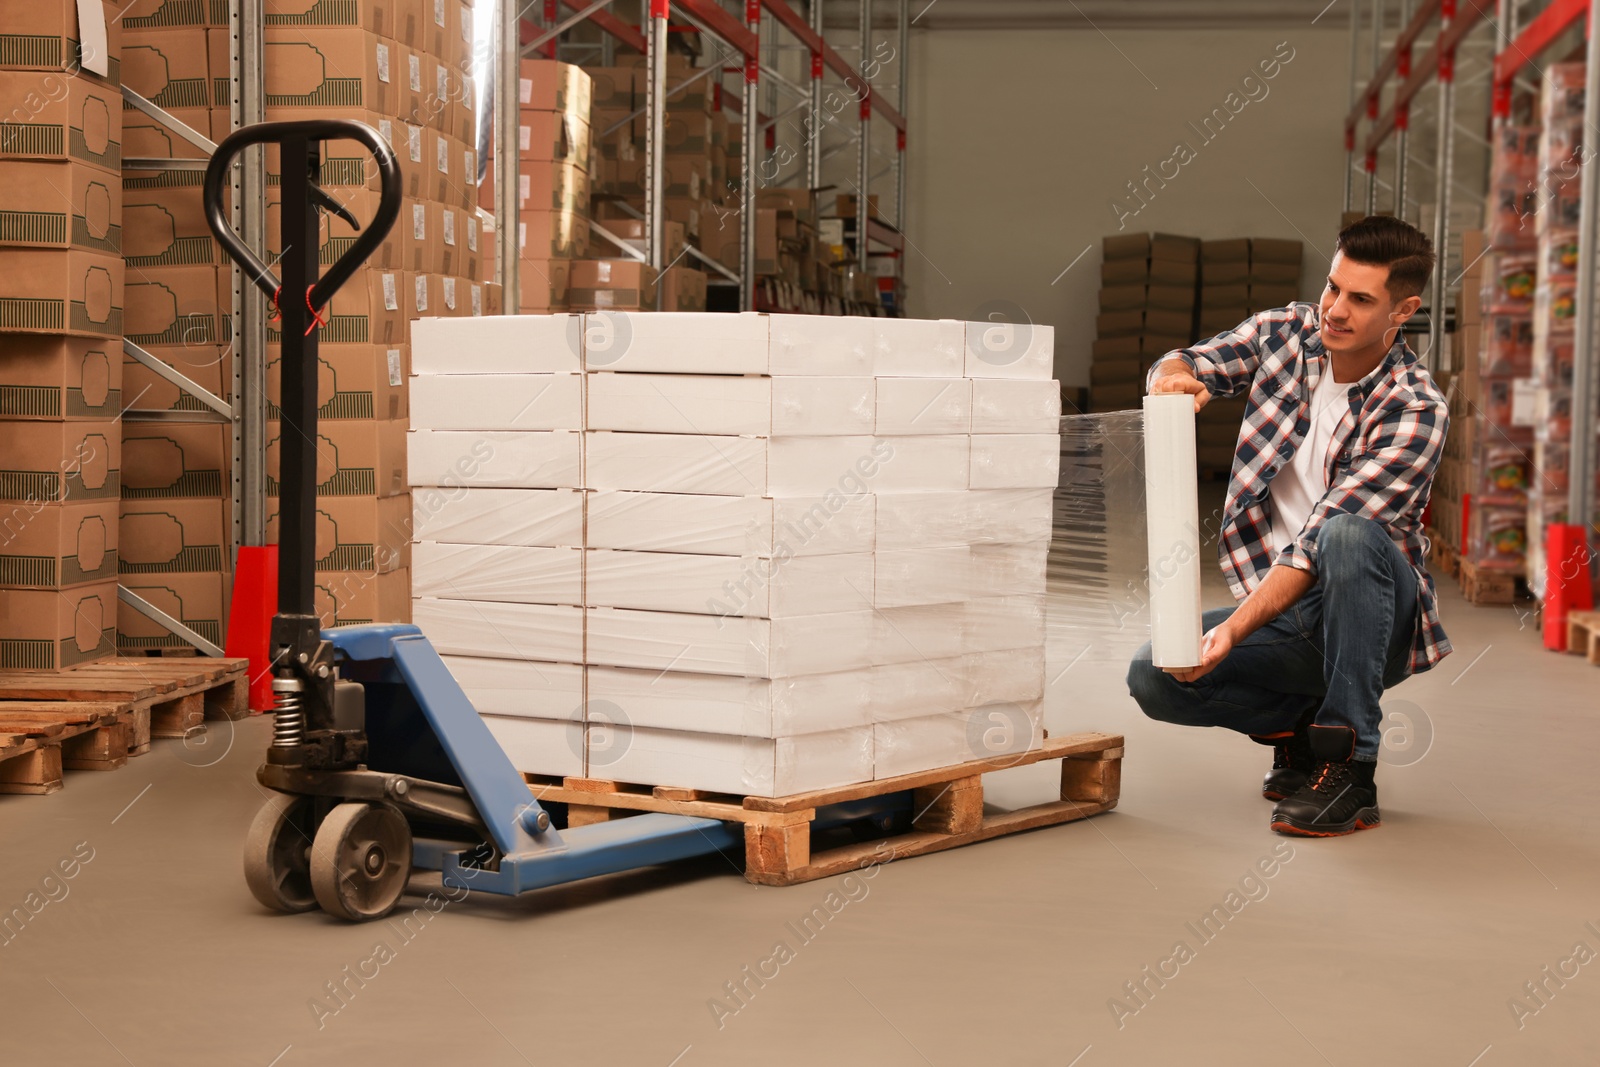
column 740, row 553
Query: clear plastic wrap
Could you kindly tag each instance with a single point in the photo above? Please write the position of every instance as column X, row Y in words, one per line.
column 756, row 586
column 501, row 631
column 729, row 704
column 497, row 401
column 725, row 763
column 755, row 647
column 792, row 405
column 992, row 731
column 917, row 348
column 533, row 517
column 520, row 688
column 1015, row 461
column 534, row 459
column 540, row 746
column 731, row 525
column 503, row 573
column 1002, row 405
column 906, row 406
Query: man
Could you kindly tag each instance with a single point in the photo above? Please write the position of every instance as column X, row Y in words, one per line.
column 1321, row 537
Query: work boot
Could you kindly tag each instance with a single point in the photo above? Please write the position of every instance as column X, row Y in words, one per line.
column 1339, row 798
column 1291, row 763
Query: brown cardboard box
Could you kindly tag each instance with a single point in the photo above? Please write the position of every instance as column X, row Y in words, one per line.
column 688, row 133
column 356, row 533
column 541, row 286
column 1224, row 296
column 478, row 267
column 356, row 457
column 1275, row 250
column 455, row 297
column 1179, row 298
column 49, row 630
column 1170, row 323
column 719, row 235
column 462, row 37
column 352, row 598
column 57, row 546
column 174, row 536
column 422, row 297
column 844, row 204
column 1226, row 272
column 1116, row 397
column 1123, row 246
column 165, row 226
column 408, row 22
column 194, row 599
column 766, row 241
column 374, row 16
column 1115, row 272
column 1135, row 344
column 332, row 68
column 45, row 36
column 553, row 235
column 1119, row 323
column 335, row 235
column 615, row 87
column 1119, row 370
column 682, row 289
column 44, row 377
column 48, row 115
column 446, row 177
column 1221, row 319
column 143, row 136
column 1122, row 297
column 61, row 291
column 171, row 69
column 1169, row 247
column 603, row 284
column 553, row 187
column 1174, row 272
column 412, row 67
column 1275, row 273
column 632, row 232
column 551, row 136
column 547, row 85
column 60, row 462
column 209, row 366
column 160, row 15
column 178, row 306
column 407, row 140
column 453, row 254
column 166, row 461
column 1272, row 295
column 368, row 309
column 1233, row 250
column 60, row 205
column 494, row 300
column 353, row 381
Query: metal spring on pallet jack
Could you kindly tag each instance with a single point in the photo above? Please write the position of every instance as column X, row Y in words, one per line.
column 289, row 717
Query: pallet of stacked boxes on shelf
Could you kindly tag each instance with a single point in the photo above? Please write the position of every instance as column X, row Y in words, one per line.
column 783, row 552
column 61, row 310
column 1147, row 301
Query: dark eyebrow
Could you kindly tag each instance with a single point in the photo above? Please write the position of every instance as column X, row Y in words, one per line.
column 1351, row 292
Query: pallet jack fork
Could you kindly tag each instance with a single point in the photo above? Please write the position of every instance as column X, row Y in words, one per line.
column 378, row 760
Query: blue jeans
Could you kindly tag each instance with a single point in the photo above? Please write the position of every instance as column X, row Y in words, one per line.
column 1327, row 659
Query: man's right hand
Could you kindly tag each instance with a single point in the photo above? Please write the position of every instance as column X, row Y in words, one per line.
column 1176, row 378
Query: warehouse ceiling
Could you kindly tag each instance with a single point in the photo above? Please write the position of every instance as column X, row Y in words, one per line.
column 1097, row 14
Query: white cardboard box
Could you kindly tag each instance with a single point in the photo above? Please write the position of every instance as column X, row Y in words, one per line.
column 1014, row 674
column 751, row 586
column 994, row 731
column 533, row 517
column 511, row 574
column 501, row 631
column 509, row 459
column 994, row 624
column 724, row 763
column 919, row 687
column 725, row 704
column 1015, row 460
column 1009, row 570
column 540, row 746
column 908, row 576
column 730, row 404
column 497, row 401
column 755, row 648
column 925, row 348
column 732, row 525
column 1014, row 405
column 966, row 516
column 924, row 405
column 691, row 342
column 822, row 344
column 1007, row 350
column 922, row 463
column 523, row 689
column 925, row 631
column 497, row 344
column 736, row 466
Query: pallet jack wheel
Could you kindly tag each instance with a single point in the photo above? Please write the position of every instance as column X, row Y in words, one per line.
column 277, row 853
column 361, row 860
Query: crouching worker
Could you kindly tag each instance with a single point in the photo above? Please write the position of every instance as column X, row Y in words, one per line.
column 1321, row 534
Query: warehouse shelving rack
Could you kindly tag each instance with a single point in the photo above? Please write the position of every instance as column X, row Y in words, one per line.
column 1519, row 43
column 516, row 36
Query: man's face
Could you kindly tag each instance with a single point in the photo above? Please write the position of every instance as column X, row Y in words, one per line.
column 1358, row 313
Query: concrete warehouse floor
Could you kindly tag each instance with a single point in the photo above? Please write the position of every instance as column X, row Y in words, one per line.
column 1403, row 945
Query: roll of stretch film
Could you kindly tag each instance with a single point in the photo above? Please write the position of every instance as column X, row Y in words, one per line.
column 1173, row 523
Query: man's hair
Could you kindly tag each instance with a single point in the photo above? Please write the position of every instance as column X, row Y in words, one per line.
column 1385, row 241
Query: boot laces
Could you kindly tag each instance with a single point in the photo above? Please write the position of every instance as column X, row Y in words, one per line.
column 1330, row 777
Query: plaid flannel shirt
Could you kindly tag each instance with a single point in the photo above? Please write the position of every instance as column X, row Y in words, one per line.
column 1381, row 458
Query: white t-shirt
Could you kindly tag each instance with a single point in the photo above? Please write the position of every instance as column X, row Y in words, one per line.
column 1303, row 481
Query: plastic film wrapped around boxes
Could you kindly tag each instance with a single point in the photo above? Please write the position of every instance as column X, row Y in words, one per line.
column 741, row 553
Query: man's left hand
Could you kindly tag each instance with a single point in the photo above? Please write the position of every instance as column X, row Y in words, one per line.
column 1213, row 650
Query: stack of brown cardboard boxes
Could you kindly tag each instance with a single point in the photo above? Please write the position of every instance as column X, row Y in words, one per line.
column 1147, row 300
column 1453, row 484
column 553, row 165
column 61, row 308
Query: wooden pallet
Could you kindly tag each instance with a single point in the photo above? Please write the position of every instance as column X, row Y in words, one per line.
column 1583, row 635
column 38, row 739
column 1487, row 585
column 166, row 697
column 1443, row 555
column 948, row 802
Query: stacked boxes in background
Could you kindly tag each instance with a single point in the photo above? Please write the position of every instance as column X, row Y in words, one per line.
column 554, row 163
column 1147, row 302
column 1453, row 483
column 739, row 553
column 61, row 311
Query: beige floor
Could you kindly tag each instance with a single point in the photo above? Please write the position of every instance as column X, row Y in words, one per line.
column 1404, row 945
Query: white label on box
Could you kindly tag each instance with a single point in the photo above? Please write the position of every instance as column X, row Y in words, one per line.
column 450, row 227
column 395, row 376
column 1522, row 401
column 419, row 221
column 525, row 91
column 444, row 156
column 383, row 62
column 442, row 81
column 93, row 52
column 466, row 26
column 438, row 13
column 477, row 299
column 524, row 140
column 469, row 166
column 449, row 292
column 391, row 300
column 416, row 73
column 421, row 288
column 524, row 188
column 386, row 127
column 472, row 234
column 414, row 142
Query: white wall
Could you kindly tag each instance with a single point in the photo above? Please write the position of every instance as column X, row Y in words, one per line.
column 1020, row 142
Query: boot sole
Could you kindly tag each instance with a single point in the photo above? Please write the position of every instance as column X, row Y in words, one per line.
column 1365, row 819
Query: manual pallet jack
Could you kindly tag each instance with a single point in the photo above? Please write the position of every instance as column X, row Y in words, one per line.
column 378, row 760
